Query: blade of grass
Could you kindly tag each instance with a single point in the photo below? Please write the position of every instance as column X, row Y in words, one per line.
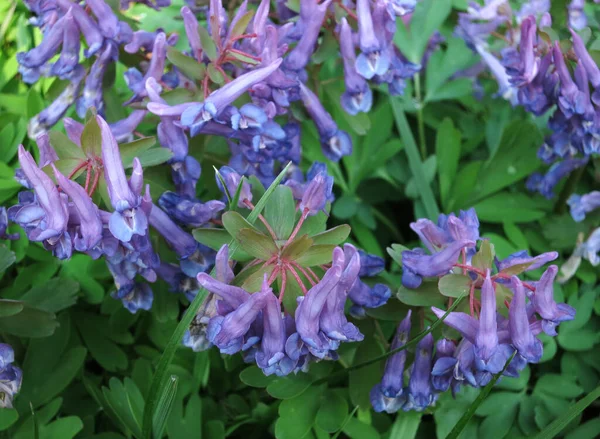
column 414, row 161
column 160, row 380
column 165, row 405
column 464, row 420
column 558, row 424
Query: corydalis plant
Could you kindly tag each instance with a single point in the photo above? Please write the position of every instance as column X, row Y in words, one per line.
column 501, row 318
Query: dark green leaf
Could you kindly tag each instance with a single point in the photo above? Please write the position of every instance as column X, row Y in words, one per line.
column 254, row 377
column 297, row 415
column 289, row 387
column 134, row 149
column 7, row 258
column 454, row 285
column 332, row 413
column 188, row 65
column 447, row 151
column 52, row 296
column 428, row 294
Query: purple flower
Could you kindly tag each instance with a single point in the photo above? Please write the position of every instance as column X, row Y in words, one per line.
column 420, row 394
column 333, row 322
column 523, row 339
column 417, row 264
column 135, row 296
column 545, row 184
column 271, row 357
column 388, row 395
column 589, row 249
column 191, row 30
column 45, row 218
column 583, row 204
column 90, row 227
column 374, row 58
column 593, row 72
column 4, row 226
column 195, row 116
column 358, row 96
column 128, row 219
column 335, row 143
column 524, row 65
column 69, row 56
column 312, row 15
column 180, row 241
column 10, row 379
column 577, row 18
column 544, row 304
column 308, row 313
column 189, row 212
column 444, row 363
column 522, row 257
column 316, row 194
column 490, row 356
column 230, row 333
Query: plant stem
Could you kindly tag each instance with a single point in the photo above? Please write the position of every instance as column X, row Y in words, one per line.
column 420, row 122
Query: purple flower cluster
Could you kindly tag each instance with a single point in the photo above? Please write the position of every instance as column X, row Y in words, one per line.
column 534, row 74
column 63, row 23
column 235, row 320
column 10, row 376
column 490, row 336
column 63, row 217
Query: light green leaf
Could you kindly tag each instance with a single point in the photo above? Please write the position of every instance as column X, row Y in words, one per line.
column 256, row 244
column 447, row 151
column 454, row 285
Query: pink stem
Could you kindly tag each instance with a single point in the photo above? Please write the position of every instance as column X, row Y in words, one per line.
column 296, row 265
column 283, row 283
column 297, row 279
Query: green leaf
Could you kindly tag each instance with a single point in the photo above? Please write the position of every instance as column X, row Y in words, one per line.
column 289, row 387
column 63, row 428
column 356, row 429
column 256, row 244
column 253, row 376
column 10, row 307
column 126, row 402
column 241, row 25
column 58, row 379
column 297, row 247
column 7, row 418
column 558, row 385
column 345, row 207
column 217, row 238
column 406, row 425
column 155, row 156
column 188, row 65
column 428, row 294
column 234, row 223
column 334, row 236
column 159, row 382
column 52, row 296
column 462, row 423
column 515, row 158
column 587, row 430
column 362, row 380
column 29, row 322
column 280, row 212
column 454, row 285
column 395, row 251
column 332, row 413
column 165, row 405
column 427, row 18
column 517, row 269
column 208, row 45
column 214, row 74
column 414, row 160
column 7, row 258
column 91, row 139
column 516, row 206
column 447, row 151
column 65, row 148
column 498, row 401
column 297, row 415
column 316, row 255
column 134, row 149
column 563, row 420
column 105, row 351
column 484, row 258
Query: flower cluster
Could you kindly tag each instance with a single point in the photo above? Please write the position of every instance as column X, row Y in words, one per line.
column 10, row 376
column 491, row 336
column 62, row 215
column 63, row 24
column 235, row 320
column 534, row 73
